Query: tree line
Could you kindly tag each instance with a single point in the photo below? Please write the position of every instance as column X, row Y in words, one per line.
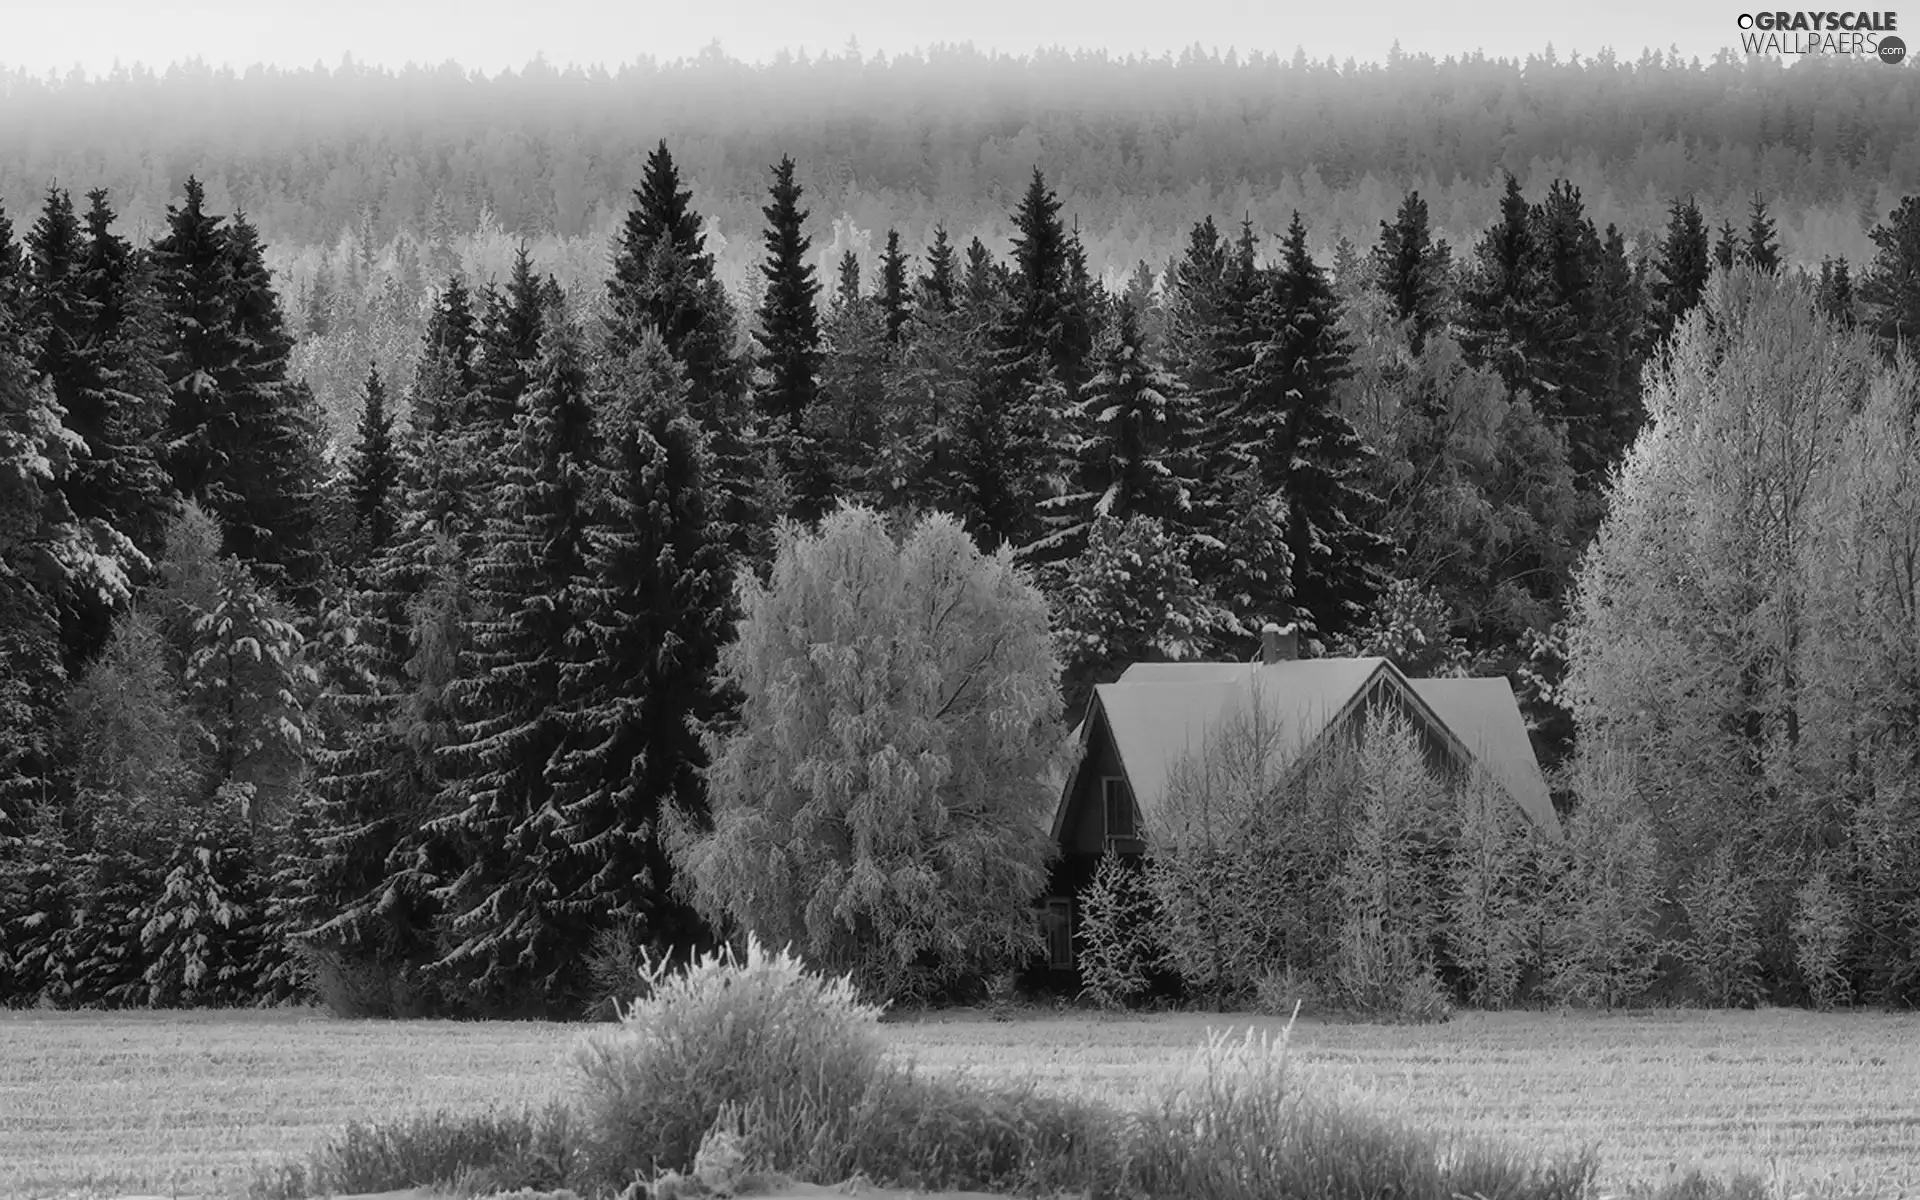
column 421, row 724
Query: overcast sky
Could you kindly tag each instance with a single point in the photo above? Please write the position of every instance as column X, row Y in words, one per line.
column 494, row 34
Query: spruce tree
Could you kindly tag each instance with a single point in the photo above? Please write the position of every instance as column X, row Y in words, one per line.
column 981, row 282
column 663, row 278
column 1197, row 319
column 374, row 866
column 242, row 440
column 939, row 286
column 1616, row 412
column 509, row 941
column 507, row 343
column 1890, row 291
column 1568, row 341
column 1021, row 449
column 124, row 390
column 374, row 474
column 246, row 691
column 35, row 451
column 1410, row 268
column 928, row 387
column 320, row 301
column 894, row 300
column 1685, row 262
column 274, row 467
column 1350, row 273
column 58, row 314
column 1834, row 293
column 846, row 289
column 1305, row 451
column 655, row 607
column 845, row 431
column 663, row 211
column 59, row 319
column 1137, row 421
column 1496, row 299
column 789, row 332
column 1762, row 250
column 1726, row 248
column 1046, row 322
column 194, row 275
column 1211, row 339
column 12, row 270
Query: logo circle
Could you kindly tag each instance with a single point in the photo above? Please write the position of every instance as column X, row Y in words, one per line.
column 1892, row 49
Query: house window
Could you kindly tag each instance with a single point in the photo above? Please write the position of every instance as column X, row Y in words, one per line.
column 1119, row 804
column 1058, row 921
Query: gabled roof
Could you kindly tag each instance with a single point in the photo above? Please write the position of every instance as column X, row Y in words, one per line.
column 1485, row 716
column 1159, row 714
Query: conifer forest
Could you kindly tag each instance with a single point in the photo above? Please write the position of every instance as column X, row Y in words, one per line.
column 410, row 482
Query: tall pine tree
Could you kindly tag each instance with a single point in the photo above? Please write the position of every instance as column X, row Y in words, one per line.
column 654, row 609
column 274, row 467
column 1305, row 451
column 241, row 439
column 35, row 451
column 374, row 474
column 894, row 299
column 1762, row 250
column 123, row 392
column 509, row 941
column 1020, row 446
column 1685, row 261
column 59, row 320
column 1411, row 269
column 663, row 279
column 1137, row 420
column 789, row 332
column 939, row 286
column 1890, row 291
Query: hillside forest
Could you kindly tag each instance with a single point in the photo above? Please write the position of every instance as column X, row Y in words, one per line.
column 430, row 632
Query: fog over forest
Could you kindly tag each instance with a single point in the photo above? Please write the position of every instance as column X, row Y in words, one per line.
column 1139, row 149
column 408, row 173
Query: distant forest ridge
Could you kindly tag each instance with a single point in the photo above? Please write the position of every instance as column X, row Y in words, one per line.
column 1138, row 149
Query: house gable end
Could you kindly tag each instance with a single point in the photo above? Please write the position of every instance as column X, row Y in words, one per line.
column 1079, row 825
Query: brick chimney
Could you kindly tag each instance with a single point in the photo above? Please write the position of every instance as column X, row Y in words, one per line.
column 1279, row 643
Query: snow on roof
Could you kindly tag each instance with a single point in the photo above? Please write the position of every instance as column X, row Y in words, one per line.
column 1159, row 714
column 1485, row 716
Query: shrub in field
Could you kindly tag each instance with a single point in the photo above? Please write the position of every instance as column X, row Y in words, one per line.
column 1822, row 925
column 1116, row 934
column 916, row 1131
column 1238, row 1127
column 476, row 1154
column 724, row 1032
column 742, row 1071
